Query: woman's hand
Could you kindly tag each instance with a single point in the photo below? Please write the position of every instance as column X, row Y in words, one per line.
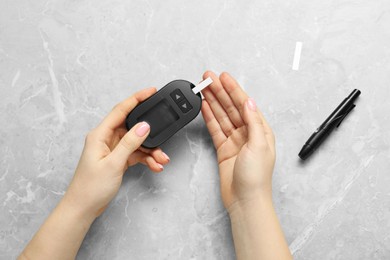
column 109, row 150
column 243, row 139
column 246, row 155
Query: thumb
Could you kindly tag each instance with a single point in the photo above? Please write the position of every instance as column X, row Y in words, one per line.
column 254, row 123
column 129, row 143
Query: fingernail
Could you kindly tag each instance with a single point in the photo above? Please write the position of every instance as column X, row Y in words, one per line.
column 160, row 166
column 166, row 156
column 142, row 129
column 251, row 104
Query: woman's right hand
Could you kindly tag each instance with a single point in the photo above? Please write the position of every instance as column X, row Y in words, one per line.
column 243, row 139
column 246, row 156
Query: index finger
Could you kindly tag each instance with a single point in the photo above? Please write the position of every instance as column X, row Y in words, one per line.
column 119, row 113
column 239, row 97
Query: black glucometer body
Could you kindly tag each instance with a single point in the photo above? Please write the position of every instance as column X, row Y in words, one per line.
column 167, row 111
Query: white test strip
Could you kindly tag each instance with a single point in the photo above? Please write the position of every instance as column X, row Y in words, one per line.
column 297, row 56
column 202, row 85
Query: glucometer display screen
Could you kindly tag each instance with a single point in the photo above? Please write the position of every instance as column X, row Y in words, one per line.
column 162, row 115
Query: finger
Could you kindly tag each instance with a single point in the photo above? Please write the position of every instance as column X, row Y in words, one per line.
column 157, row 154
column 267, row 129
column 129, row 144
column 119, row 113
column 224, row 99
column 153, row 165
column 234, row 90
column 269, row 134
column 145, row 159
column 239, row 97
column 137, row 157
column 213, row 126
column 219, row 112
column 256, row 134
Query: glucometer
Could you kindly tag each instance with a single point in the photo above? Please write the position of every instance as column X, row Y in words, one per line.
column 167, row 111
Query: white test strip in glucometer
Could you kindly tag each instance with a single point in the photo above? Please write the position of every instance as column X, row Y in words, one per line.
column 205, row 83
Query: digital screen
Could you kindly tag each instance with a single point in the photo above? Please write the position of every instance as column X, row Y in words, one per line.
column 159, row 117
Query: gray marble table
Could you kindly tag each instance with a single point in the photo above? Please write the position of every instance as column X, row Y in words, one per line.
column 65, row 64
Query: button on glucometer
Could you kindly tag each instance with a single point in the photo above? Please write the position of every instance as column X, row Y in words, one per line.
column 177, row 96
column 185, row 106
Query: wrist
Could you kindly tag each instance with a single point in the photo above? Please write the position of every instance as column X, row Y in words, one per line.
column 70, row 205
column 256, row 230
column 246, row 209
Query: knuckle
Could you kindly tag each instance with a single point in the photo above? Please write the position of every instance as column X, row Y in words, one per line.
column 240, row 106
column 259, row 121
column 214, row 133
column 119, row 108
column 231, row 109
column 227, row 125
column 127, row 142
column 210, row 97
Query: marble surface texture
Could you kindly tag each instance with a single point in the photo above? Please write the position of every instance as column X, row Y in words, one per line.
column 65, row 64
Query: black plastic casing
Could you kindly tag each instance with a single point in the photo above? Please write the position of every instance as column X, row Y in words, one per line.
column 163, row 96
column 333, row 121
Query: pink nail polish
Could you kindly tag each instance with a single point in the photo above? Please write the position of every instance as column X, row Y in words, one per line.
column 251, row 104
column 166, row 156
column 142, row 129
column 160, row 166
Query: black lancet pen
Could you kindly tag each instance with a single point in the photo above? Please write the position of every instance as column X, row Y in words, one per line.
column 333, row 121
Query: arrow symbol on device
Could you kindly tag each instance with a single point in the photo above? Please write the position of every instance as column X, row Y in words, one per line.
column 184, row 105
column 177, row 96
